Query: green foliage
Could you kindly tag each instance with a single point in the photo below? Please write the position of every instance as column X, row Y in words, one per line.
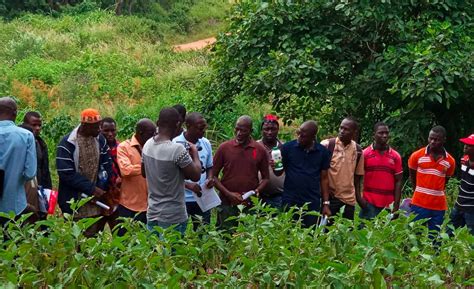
column 267, row 250
column 392, row 61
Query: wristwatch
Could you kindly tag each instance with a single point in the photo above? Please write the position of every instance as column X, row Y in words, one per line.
column 326, row 202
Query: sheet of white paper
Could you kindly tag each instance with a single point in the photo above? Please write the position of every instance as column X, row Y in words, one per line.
column 208, row 200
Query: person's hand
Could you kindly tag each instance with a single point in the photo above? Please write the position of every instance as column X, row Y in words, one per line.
column 235, row 198
column 326, row 211
column 193, row 152
column 271, row 162
column 196, row 188
column 98, row 192
column 363, row 203
column 395, row 213
column 210, row 183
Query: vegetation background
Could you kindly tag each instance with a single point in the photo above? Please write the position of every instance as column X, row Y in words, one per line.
column 409, row 63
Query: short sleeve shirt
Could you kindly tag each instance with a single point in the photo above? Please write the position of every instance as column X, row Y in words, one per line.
column 343, row 167
column 163, row 162
column 240, row 166
column 379, row 179
column 205, row 156
column 431, row 179
column 303, row 172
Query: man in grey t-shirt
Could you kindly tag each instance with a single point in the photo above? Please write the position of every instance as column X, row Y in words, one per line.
column 166, row 165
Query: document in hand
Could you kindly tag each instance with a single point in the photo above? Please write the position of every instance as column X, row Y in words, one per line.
column 208, row 200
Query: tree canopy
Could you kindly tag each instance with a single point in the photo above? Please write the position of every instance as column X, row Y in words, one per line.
column 409, row 63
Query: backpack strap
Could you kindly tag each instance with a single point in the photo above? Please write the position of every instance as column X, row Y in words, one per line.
column 331, row 145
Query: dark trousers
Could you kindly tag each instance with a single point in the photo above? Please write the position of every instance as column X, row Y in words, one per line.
column 127, row 213
column 460, row 218
column 196, row 214
column 307, row 220
column 336, row 205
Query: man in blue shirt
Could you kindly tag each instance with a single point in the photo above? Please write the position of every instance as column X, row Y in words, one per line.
column 196, row 126
column 17, row 159
column 306, row 164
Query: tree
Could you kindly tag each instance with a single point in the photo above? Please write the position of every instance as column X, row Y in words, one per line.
column 410, row 63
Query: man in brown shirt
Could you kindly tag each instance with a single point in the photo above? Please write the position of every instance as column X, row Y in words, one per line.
column 346, row 170
column 240, row 160
column 133, row 198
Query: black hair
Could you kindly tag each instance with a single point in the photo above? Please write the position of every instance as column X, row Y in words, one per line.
column 192, row 118
column 181, row 110
column 439, row 130
column 168, row 118
column 31, row 114
column 354, row 121
column 109, row 120
column 379, row 124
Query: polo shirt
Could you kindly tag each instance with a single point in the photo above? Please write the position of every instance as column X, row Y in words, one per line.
column 431, row 179
column 133, row 189
column 163, row 161
column 303, row 172
column 240, row 166
column 379, row 178
column 18, row 160
column 341, row 173
column 205, row 156
column 465, row 200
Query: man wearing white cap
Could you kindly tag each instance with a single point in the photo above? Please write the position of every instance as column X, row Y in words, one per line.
column 463, row 211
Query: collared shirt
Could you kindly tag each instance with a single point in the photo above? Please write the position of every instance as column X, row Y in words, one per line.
column 18, row 160
column 163, row 161
column 379, row 179
column 133, row 190
column 205, row 156
column 431, row 178
column 342, row 170
column 303, row 172
column 240, row 166
column 275, row 183
column 465, row 199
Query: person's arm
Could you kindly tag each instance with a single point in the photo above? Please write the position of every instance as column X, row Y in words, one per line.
column 192, row 171
column 30, row 166
column 264, row 172
column 359, row 172
column 398, row 192
column 413, row 178
column 209, row 178
column 325, row 192
column 127, row 169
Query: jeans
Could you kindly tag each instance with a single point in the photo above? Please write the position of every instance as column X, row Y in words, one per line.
column 306, row 220
column 194, row 210
column 179, row 227
column 461, row 218
column 370, row 212
column 273, row 201
column 434, row 217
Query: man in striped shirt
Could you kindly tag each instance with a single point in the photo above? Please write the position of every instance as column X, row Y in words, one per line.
column 463, row 211
column 430, row 168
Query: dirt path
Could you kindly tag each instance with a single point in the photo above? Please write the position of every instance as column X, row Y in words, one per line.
column 196, row 45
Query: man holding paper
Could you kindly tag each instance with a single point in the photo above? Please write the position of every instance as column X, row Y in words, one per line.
column 196, row 127
column 240, row 159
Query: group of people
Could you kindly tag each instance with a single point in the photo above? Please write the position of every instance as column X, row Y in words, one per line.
column 156, row 176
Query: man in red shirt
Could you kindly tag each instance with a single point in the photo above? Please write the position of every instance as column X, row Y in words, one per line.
column 240, row 160
column 430, row 169
column 383, row 175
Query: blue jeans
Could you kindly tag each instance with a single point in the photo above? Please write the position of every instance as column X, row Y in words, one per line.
column 461, row 218
column 179, row 227
column 370, row 212
column 434, row 217
column 273, row 201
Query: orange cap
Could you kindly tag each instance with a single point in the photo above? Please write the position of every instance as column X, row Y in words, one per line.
column 90, row 115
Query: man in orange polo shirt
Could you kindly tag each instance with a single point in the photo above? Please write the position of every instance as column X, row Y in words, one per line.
column 430, row 169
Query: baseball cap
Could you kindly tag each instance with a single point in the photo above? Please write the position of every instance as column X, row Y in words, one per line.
column 468, row 140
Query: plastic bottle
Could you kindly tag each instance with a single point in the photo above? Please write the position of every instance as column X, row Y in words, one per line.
column 102, row 178
column 247, row 195
column 276, row 156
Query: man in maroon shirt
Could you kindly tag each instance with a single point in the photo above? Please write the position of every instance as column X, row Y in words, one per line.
column 240, row 159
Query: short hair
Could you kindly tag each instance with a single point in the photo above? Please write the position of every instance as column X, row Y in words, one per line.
column 192, row 118
column 168, row 118
column 181, row 110
column 109, row 120
column 353, row 120
column 30, row 114
column 379, row 124
column 439, row 130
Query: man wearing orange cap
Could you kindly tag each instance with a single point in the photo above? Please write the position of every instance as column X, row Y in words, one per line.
column 84, row 167
column 463, row 211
